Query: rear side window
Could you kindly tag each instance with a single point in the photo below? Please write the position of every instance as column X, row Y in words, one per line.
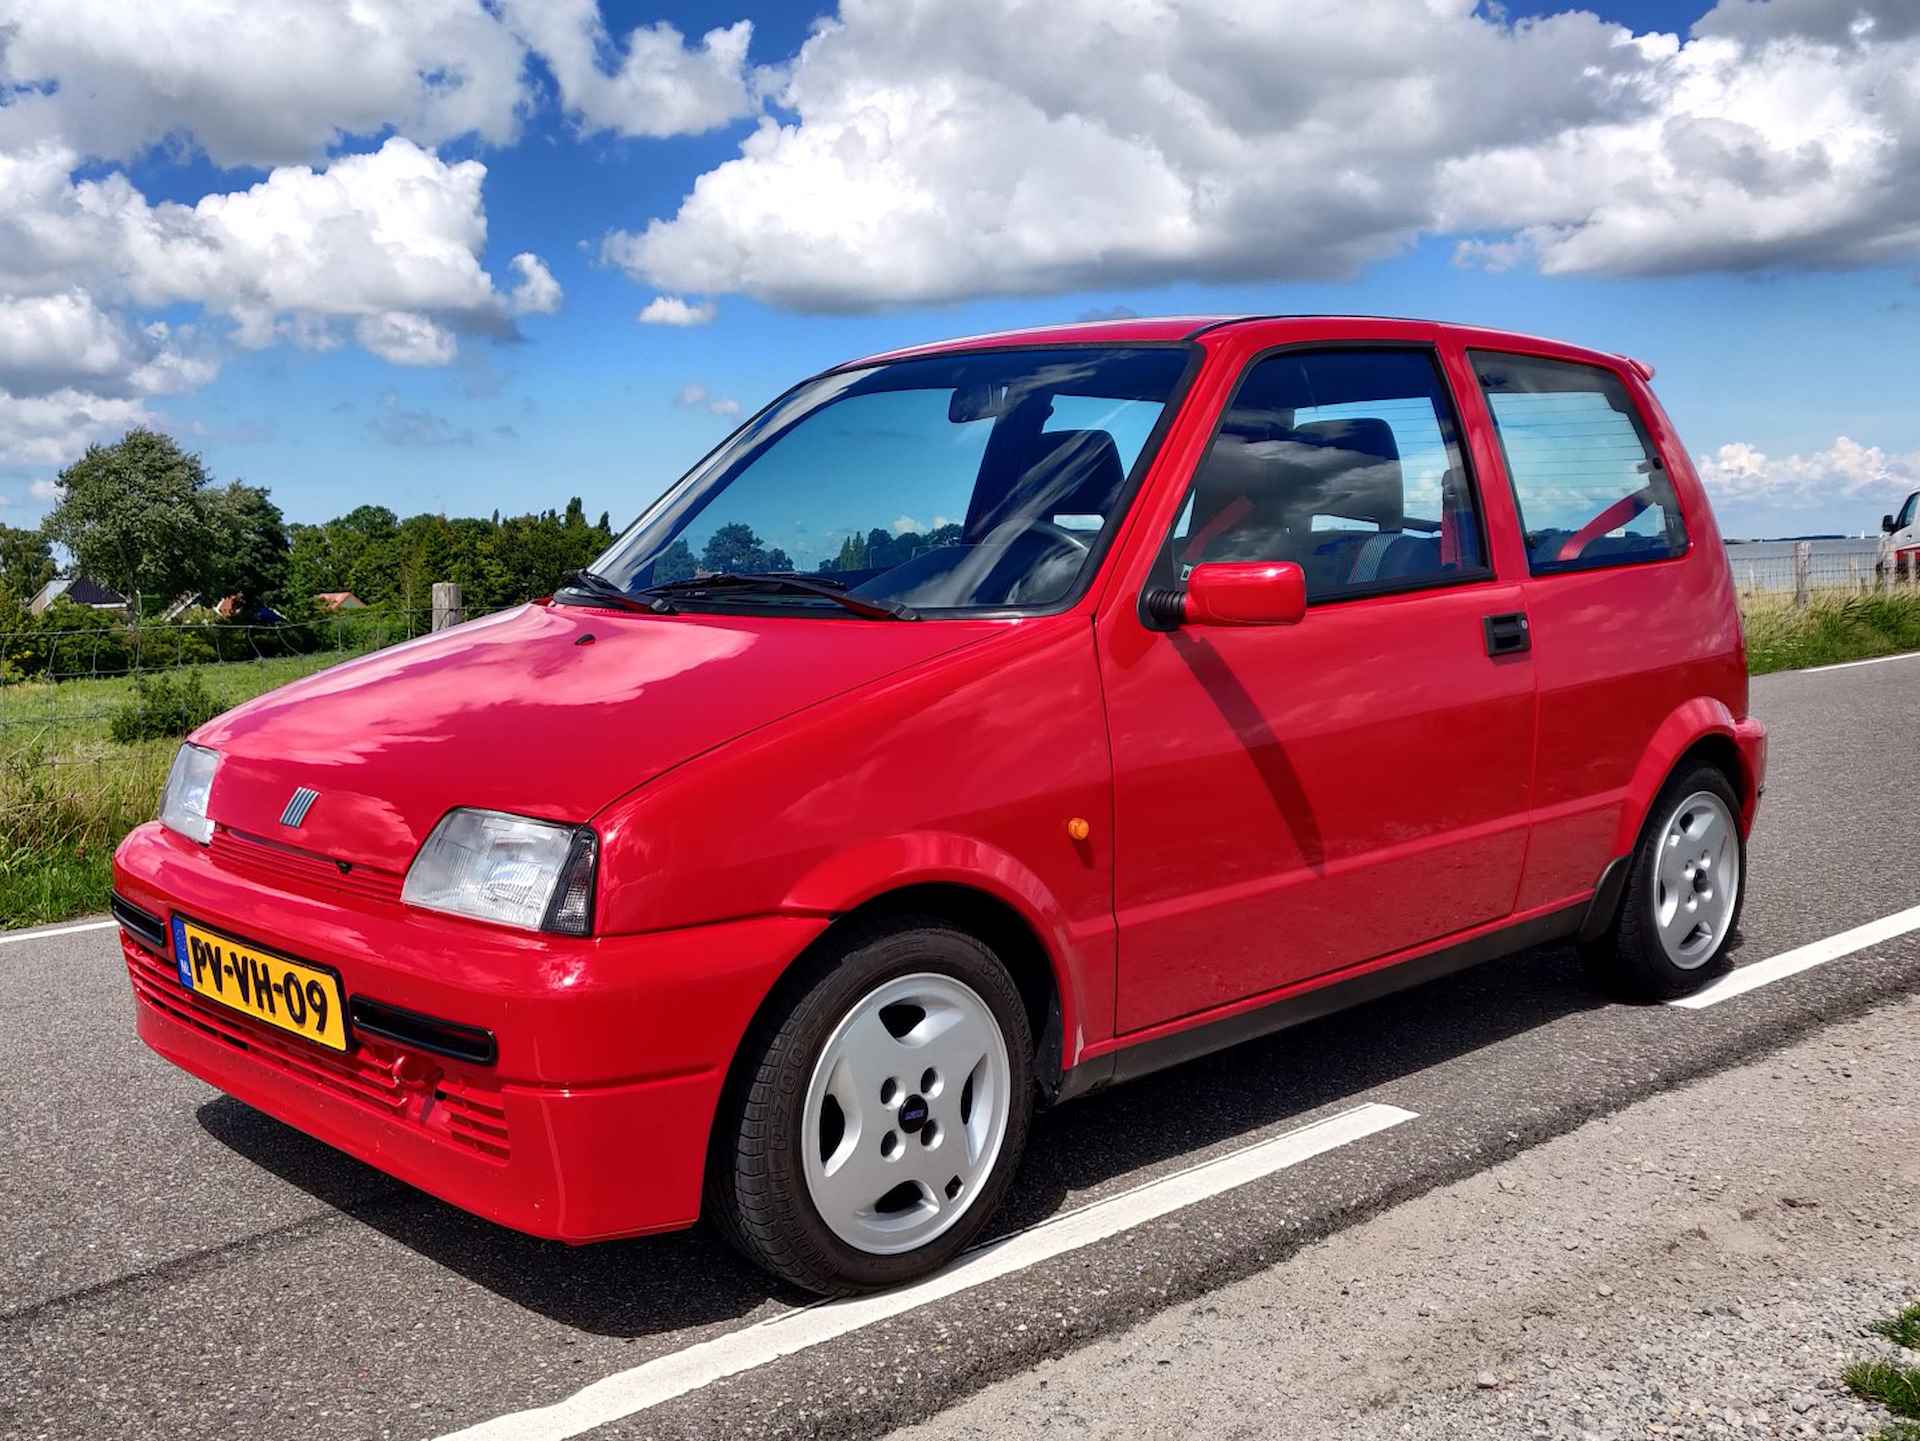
column 1346, row 462
column 1587, row 480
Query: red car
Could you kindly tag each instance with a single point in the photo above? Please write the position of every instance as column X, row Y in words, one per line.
column 980, row 725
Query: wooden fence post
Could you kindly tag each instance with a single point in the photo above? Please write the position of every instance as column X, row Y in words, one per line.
column 1802, row 571
column 446, row 604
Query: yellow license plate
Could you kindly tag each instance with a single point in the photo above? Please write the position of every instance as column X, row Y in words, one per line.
column 299, row 998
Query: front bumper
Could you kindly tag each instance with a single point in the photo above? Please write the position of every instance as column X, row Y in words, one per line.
column 593, row 1121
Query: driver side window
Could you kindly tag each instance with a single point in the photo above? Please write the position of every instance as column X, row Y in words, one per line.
column 1345, row 462
column 1587, row 480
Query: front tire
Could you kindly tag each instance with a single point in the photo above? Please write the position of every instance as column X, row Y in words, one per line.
column 1686, row 884
column 883, row 1114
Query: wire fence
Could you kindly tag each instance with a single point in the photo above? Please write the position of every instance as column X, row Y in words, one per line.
column 1805, row 570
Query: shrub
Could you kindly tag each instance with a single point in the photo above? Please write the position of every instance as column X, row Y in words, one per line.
column 163, row 706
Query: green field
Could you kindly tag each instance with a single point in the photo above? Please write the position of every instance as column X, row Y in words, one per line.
column 68, row 792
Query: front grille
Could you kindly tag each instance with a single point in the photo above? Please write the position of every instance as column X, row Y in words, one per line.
column 284, row 866
column 466, row 1117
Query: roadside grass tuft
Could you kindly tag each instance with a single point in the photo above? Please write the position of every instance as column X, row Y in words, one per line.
column 1902, row 1330
column 1895, row 1387
column 1831, row 629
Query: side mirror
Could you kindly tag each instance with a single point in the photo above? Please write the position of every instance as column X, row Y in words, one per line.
column 1886, row 524
column 1257, row 592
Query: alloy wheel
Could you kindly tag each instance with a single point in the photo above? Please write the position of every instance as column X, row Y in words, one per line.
column 1696, row 879
column 905, row 1113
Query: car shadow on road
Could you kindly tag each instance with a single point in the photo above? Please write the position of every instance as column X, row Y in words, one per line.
column 666, row 1283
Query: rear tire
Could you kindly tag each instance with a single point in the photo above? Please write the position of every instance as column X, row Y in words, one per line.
column 881, row 1114
column 1686, row 883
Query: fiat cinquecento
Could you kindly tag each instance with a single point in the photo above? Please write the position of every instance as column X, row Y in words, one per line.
column 980, row 725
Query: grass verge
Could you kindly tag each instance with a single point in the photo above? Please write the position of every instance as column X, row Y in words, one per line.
column 1830, row 630
column 69, row 792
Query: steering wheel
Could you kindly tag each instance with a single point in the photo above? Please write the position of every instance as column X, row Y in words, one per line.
column 1059, row 534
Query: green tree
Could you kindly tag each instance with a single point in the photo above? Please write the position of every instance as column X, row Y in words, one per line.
column 734, row 547
column 676, row 562
column 26, row 562
column 251, row 557
column 135, row 517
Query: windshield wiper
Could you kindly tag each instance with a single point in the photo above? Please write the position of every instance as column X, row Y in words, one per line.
column 591, row 582
column 782, row 580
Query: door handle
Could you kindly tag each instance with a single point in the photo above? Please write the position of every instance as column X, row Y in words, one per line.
column 1507, row 634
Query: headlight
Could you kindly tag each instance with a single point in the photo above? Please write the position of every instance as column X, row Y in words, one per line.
column 497, row 867
column 183, row 804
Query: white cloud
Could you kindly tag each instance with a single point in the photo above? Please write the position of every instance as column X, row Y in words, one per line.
column 905, row 525
column 60, row 341
column 672, row 310
column 660, row 85
column 936, row 152
column 405, row 338
column 537, row 292
column 257, row 83
column 383, row 245
column 47, row 490
column 695, row 396
column 1739, row 473
column 52, row 429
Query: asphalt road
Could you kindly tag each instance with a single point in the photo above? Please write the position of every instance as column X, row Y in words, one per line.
column 176, row 1264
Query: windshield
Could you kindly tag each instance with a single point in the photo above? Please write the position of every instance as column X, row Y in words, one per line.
column 980, row 480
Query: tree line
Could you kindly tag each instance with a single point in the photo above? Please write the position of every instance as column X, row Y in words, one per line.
column 147, row 519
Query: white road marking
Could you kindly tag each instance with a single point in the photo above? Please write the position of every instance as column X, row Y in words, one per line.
column 1742, row 979
column 8, row 938
column 1850, row 664
column 666, row 1377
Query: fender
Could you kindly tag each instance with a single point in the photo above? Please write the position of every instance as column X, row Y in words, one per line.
column 1080, row 957
column 1689, row 723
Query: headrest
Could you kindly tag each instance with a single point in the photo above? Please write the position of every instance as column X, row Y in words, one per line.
column 1345, row 468
column 1073, row 472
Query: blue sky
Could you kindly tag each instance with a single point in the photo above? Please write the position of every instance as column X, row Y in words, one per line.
column 1785, row 355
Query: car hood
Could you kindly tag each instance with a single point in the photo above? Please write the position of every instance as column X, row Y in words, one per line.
column 544, row 710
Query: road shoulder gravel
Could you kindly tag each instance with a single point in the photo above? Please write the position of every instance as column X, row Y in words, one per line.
column 1702, row 1263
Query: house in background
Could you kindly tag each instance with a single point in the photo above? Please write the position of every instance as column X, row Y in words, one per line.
column 79, row 590
column 339, row 600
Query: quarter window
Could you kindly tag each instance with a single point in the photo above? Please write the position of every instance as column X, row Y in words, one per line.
column 1589, row 484
column 1344, row 462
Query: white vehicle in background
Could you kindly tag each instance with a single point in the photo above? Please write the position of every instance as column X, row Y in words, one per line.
column 1900, row 547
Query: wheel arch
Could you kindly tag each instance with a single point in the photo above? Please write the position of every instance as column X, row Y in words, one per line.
column 992, row 918
column 1702, row 729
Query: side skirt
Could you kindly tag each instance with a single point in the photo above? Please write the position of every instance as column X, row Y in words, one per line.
column 1146, row 1057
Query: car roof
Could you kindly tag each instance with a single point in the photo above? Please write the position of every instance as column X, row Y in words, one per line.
column 1165, row 329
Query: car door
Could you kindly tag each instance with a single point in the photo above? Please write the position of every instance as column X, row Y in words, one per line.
column 1902, row 556
column 1292, row 801
column 1626, row 591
